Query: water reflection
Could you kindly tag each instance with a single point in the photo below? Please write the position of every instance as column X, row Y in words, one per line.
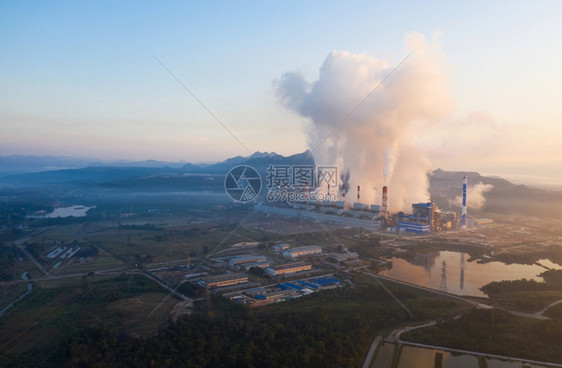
column 459, row 361
column 417, row 357
column 462, row 271
column 384, row 357
column 75, row 211
column 459, row 276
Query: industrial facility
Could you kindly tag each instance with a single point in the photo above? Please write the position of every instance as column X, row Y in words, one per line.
column 294, row 253
column 288, row 268
column 238, row 261
column 223, row 280
column 424, row 218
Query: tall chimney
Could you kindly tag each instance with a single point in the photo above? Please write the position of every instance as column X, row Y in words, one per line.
column 358, row 193
column 384, row 199
column 464, row 182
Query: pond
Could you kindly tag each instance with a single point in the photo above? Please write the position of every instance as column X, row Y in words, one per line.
column 450, row 271
column 75, row 211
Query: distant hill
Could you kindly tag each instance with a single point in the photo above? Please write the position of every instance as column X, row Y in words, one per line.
column 260, row 161
column 505, row 197
column 156, row 176
column 150, row 174
column 21, row 164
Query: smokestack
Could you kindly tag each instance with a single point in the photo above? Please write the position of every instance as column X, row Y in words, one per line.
column 384, row 199
column 464, row 182
column 358, row 193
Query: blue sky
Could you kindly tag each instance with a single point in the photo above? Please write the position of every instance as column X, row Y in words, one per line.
column 76, row 78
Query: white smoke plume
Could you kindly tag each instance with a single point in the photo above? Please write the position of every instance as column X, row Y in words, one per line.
column 380, row 143
column 474, row 196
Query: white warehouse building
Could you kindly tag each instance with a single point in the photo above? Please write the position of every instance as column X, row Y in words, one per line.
column 302, row 251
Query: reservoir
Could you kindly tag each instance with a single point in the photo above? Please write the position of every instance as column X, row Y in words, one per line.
column 75, row 211
column 450, row 271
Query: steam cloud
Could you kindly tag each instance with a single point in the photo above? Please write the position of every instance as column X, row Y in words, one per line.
column 380, row 143
column 474, row 196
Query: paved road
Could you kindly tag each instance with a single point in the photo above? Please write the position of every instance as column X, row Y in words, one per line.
column 399, row 333
column 371, row 352
column 537, row 315
column 549, row 306
column 28, row 255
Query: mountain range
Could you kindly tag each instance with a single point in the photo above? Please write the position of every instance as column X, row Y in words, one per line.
column 37, row 171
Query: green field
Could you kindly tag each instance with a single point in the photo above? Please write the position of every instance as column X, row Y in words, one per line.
column 129, row 242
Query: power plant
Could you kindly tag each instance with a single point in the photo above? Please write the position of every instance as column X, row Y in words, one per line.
column 425, row 217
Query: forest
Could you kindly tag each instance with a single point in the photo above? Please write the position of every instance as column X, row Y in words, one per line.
column 332, row 328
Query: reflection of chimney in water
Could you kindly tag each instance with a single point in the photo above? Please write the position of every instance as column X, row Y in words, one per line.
column 464, row 214
column 462, row 271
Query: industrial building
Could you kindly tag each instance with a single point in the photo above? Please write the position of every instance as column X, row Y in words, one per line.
column 483, row 222
column 282, row 294
column 261, row 264
column 224, row 280
column 425, row 218
column 280, row 247
column 240, row 260
column 449, row 220
column 328, row 214
column 342, row 257
column 288, row 268
column 302, row 251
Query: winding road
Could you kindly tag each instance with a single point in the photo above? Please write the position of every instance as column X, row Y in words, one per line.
column 395, row 336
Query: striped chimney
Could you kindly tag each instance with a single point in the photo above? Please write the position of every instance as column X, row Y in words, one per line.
column 384, row 199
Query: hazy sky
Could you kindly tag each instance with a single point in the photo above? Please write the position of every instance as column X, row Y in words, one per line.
column 76, row 78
